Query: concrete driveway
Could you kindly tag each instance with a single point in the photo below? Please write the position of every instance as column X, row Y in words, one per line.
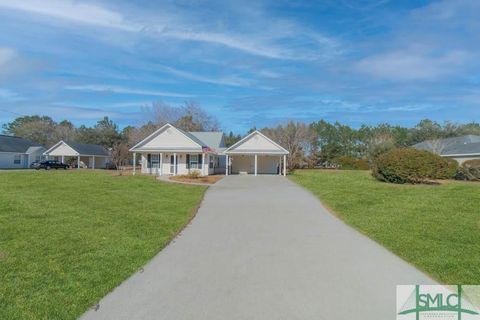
column 263, row 248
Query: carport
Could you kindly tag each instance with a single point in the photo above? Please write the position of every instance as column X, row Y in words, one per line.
column 92, row 155
column 256, row 154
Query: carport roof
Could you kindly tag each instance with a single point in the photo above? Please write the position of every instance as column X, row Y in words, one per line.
column 256, row 143
column 82, row 148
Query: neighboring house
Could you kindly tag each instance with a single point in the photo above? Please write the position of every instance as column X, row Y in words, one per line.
column 18, row 153
column 170, row 150
column 79, row 154
column 459, row 148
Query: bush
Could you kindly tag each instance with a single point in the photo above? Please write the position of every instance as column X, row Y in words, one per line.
column 409, row 165
column 471, row 169
column 349, row 163
column 193, row 174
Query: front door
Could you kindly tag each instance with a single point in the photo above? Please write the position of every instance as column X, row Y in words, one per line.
column 155, row 162
column 172, row 164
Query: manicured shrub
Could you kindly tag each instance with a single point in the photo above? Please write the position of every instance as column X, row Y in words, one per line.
column 408, row 165
column 471, row 169
column 349, row 163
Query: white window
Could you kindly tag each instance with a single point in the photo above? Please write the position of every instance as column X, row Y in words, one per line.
column 194, row 161
column 17, row 159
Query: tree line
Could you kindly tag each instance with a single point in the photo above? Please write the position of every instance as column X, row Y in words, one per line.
column 319, row 143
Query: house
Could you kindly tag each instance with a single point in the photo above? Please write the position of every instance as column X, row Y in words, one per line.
column 170, row 150
column 18, row 153
column 461, row 148
column 79, row 154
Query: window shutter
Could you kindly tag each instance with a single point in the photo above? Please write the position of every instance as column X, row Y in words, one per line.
column 149, row 159
column 188, row 161
column 200, row 161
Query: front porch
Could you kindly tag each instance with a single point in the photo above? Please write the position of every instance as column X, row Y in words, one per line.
column 179, row 163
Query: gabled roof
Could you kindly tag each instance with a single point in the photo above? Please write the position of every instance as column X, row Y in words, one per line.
column 278, row 149
column 207, row 140
column 82, row 148
column 88, row 149
column 15, row 144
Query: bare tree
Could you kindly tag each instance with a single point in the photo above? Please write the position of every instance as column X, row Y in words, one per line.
column 189, row 116
column 119, row 155
column 438, row 145
column 298, row 138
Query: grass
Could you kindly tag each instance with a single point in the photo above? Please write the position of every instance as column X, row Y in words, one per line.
column 67, row 238
column 436, row 228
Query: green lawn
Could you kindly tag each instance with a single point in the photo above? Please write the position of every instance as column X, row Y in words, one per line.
column 67, row 238
column 436, row 228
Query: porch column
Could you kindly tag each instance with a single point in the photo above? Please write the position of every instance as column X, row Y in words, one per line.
column 78, row 162
column 63, row 159
column 203, row 164
column 174, row 164
column 134, row 163
column 255, row 165
column 93, row 162
column 284, row 165
column 161, row 163
column 226, row 165
column 280, row 166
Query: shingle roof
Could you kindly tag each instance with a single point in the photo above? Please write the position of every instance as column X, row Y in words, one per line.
column 468, row 144
column 213, row 139
column 460, row 149
column 15, row 144
column 88, row 149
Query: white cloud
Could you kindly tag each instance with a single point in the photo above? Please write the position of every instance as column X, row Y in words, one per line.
column 412, row 65
column 72, row 11
column 123, row 90
column 257, row 42
column 8, row 95
column 6, row 55
column 229, row 81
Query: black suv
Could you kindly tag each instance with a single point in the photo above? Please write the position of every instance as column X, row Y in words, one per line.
column 52, row 164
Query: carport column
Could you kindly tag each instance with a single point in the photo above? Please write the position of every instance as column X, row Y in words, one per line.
column 93, row 162
column 203, row 164
column 174, row 164
column 78, row 162
column 161, row 163
column 284, row 165
column 256, row 165
column 226, row 165
column 134, row 162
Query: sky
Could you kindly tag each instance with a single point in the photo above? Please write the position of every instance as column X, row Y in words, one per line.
column 249, row 63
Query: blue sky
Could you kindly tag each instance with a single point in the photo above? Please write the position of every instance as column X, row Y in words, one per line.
column 249, row 63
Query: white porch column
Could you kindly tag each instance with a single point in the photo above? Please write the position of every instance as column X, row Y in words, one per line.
column 93, row 162
column 134, row 162
column 280, row 166
column 227, row 160
column 255, row 165
column 78, row 162
column 203, row 164
column 284, row 165
column 161, row 163
column 63, row 159
column 174, row 164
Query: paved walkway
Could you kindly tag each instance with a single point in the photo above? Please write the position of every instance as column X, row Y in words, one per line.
column 263, row 248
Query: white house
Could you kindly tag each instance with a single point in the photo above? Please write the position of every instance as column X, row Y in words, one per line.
column 78, row 154
column 18, row 153
column 172, row 151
